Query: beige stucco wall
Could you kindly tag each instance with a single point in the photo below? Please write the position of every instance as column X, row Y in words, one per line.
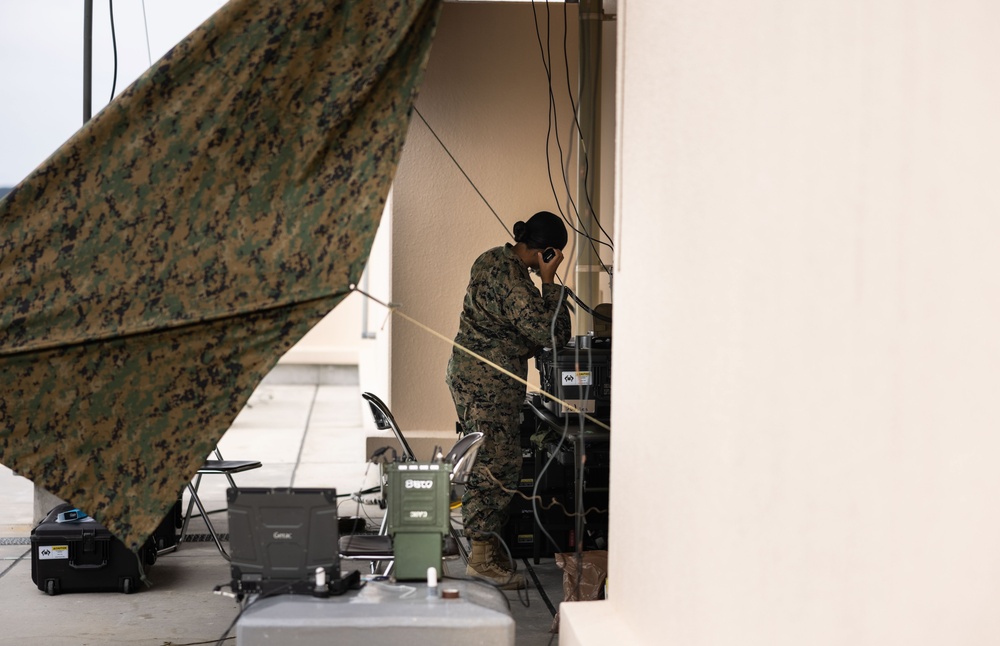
column 485, row 94
column 805, row 351
column 805, row 445
column 334, row 340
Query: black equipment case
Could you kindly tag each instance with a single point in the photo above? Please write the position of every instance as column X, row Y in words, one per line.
column 581, row 377
column 83, row 556
column 165, row 536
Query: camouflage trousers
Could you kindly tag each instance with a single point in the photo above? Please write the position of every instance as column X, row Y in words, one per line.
column 490, row 403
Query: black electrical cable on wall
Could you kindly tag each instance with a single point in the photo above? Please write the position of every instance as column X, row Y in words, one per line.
column 462, row 170
column 114, row 47
column 576, row 120
column 546, row 51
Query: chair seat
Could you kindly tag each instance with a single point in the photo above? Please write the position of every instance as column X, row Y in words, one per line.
column 376, row 547
column 228, row 466
column 214, row 467
column 365, row 546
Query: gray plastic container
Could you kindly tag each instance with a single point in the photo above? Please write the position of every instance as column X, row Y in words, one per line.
column 382, row 613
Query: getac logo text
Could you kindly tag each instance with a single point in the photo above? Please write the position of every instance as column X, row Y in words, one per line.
column 280, row 535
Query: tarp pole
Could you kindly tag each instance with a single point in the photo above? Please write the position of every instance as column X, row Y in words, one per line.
column 88, row 56
column 43, row 499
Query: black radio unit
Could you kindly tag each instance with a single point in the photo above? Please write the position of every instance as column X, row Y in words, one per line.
column 579, row 374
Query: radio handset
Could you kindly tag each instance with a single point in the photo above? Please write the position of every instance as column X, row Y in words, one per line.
column 548, row 255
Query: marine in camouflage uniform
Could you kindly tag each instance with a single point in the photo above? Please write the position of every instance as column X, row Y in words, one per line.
column 506, row 320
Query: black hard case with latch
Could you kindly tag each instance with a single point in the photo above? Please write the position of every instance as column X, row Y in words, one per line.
column 83, row 556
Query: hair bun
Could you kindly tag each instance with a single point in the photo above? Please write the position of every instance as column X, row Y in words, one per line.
column 520, row 231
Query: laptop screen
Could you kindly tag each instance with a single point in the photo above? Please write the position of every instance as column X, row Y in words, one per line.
column 278, row 537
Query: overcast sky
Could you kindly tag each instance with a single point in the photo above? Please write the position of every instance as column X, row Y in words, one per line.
column 41, row 58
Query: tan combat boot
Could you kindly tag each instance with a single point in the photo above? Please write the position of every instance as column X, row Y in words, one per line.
column 483, row 563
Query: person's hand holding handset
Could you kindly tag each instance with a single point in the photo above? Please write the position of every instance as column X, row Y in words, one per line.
column 548, row 262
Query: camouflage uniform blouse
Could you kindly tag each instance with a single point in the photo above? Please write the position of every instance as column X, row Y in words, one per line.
column 505, row 319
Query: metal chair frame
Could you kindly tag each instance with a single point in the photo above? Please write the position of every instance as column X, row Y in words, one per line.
column 214, row 467
column 384, row 421
column 462, row 456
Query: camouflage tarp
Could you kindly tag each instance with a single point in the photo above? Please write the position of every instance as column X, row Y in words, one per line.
column 161, row 261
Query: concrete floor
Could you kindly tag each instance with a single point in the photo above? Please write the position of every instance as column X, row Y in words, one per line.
column 306, row 435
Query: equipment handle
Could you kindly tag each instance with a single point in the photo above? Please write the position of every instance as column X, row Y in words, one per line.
column 102, row 550
column 88, row 566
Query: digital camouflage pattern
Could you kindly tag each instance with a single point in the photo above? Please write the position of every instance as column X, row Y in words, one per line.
column 506, row 320
column 161, row 261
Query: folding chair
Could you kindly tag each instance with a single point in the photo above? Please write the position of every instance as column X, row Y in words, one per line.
column 385, row 421
column 462, row 458
column 214, row 467
column 378, row 548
